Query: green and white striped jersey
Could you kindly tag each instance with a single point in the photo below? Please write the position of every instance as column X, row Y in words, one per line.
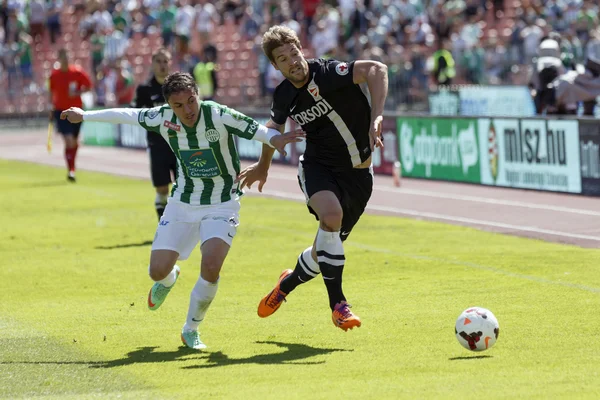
column 207, row 159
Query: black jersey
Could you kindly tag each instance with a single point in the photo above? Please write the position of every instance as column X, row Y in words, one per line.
column 332, row 110
column 149, row 95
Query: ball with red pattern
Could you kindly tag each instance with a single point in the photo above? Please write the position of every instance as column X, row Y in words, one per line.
column 477, row 329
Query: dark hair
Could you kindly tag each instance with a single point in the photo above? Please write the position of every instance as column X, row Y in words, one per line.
column 162, row 51
column 278, row 36
column 178, row 82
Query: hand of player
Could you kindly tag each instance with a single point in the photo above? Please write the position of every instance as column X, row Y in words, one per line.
column 375, row 133
column 280, row 141
column 251, row 174
column 74, row 115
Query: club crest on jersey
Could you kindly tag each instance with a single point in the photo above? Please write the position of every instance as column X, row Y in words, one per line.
column 213, row 135
column 313, row 89
column 342, row 69
column 170, row 125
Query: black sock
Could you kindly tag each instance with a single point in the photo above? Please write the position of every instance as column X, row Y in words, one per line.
column 330, row 255
column 302, row 273
column 332, row 276
column 160, row 209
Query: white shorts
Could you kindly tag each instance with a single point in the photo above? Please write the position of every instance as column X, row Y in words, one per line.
column 182, row 226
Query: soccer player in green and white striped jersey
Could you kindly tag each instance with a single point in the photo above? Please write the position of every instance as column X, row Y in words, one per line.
column 205, row 199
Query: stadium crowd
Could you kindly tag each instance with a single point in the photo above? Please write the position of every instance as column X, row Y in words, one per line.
column 424, row 42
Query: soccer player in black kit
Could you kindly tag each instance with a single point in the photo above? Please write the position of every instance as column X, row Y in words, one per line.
column 335, row 173
column 162, row 159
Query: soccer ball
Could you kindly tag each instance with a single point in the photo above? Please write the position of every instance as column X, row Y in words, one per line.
column 477, row 329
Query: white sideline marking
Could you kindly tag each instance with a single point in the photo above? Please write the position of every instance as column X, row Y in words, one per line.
column 475, row 199
column 450, row 218
column 447, row 261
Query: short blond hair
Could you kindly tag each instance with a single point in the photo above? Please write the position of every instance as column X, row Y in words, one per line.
column 161, row 51
column 278, row 36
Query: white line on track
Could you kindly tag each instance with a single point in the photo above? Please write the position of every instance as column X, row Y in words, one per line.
column 450, row 218
column 476, row 199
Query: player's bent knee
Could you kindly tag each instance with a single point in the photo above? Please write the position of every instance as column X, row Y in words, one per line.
column 158, row 272
column 211, row 268
column 331, row 220
column 161, row 264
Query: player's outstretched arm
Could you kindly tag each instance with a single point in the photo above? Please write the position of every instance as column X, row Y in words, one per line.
column 112, row 115
column 375, row 74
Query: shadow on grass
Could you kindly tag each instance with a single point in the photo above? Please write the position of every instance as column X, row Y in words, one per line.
column 470, row 357
column 293, row 354
column 124, row 246
column 141, row 355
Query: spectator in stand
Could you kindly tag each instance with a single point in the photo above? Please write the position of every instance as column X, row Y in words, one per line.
column 289, row 21
column 66, row 84
column 531, row 36
column 443, row 71
column 53, row 19
column 103, row 21
column 309, row 9
column 9, row 59
column 16, row 24
column 4, row 16
column 119, row 84
column 116, row 44
column 206, row 18
column 166, row 19
column 184, row 20
column 233, row 10
column 205, row 73
column 24, row 56
column 37, row 18
column 122, row 20
column 472, row 62
column 250, row 24
column 97, row 43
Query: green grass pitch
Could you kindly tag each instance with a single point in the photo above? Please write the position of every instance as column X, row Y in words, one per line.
column 74, row 322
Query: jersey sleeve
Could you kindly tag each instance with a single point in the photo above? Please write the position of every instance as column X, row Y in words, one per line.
column 151, row 119
column 279, row 107
column 84, row 80
column 336, row 75
column 237, row 123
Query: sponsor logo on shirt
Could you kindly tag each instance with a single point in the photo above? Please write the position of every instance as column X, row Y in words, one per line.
column 172, row 126
column 321, row 108
column 318, row 110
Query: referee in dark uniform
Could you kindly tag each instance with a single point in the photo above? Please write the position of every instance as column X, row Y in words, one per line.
column 163, row 164
column 342, row 125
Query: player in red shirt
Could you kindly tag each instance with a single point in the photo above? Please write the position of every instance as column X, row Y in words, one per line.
column 65, row 87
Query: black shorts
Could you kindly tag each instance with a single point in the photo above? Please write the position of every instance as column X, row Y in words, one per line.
column 352, row 187
column 162, row 160
column 64, row 127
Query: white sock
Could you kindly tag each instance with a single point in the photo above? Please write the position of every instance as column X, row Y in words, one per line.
column 202, row 295
column 306, row 256
column 331, row 243
column 170, row 279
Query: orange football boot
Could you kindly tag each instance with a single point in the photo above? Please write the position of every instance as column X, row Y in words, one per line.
column 271, row 302
column 343, row 318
